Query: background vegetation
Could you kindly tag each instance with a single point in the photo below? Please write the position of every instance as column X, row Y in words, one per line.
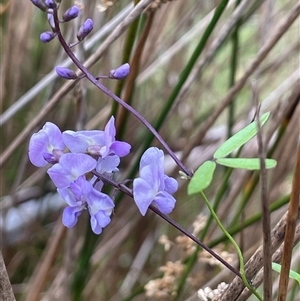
column 196, row 76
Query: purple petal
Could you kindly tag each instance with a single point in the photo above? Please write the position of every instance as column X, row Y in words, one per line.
column 77, row 164
column 46, row 140
column 60, row 177
column 69, row 168
column 108, row 164
column 78, row 142
column 164, row 202
column 76, row 189
column 70, row 216
column 97, row 229
column 120, row 148
column 171, row 185
column 55, row 136
column 151, row 155
column 143, row 194
column 152, row 176
column 68, row 197
column 37, row 147
column 99, row 201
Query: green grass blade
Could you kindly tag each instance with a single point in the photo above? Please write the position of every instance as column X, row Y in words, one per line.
column 293, row 275
column 240, row 138
column 202, row 177
column 245, row 163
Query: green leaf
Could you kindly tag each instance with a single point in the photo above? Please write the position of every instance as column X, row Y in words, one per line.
column 293, row 275
column 202, row 177
column 240, row 138
column 246, row 163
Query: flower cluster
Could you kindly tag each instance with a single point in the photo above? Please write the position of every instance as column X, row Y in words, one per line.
column 97, row 151
column 89, row 150
column 77, row 157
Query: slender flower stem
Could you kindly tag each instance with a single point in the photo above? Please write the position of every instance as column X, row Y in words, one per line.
column 122, row 187
column 108, row 92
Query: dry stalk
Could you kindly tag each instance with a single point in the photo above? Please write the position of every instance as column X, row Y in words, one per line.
column 41, row 271
column 293, row 217
column 6, row 292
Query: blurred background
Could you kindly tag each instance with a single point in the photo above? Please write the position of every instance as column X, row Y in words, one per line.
column 198, row 70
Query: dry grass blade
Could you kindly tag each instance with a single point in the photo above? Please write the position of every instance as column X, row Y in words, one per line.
column 39, row 277
column 292, row 218
column 5, row 286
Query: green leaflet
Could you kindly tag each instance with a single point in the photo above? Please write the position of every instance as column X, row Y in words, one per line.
column 240, row 138
column 245, row 163
column 202, row 177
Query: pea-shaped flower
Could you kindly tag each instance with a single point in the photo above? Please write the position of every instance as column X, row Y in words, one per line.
column 46, row 146
column 153, row 186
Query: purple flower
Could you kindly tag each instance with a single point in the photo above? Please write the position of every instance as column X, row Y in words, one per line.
column 47, row 36
column 71, row 13
column 70, row 168
column 65, row 73
column 85, row 29
column 120, row 72
column 46, row 146
column 81, row 195
column 153, row 186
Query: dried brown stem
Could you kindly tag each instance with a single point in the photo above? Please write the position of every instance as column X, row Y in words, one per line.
column 40, row 274
column 293, row 216
column 6, row 292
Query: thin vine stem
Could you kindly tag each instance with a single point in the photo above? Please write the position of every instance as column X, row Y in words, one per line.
column 108, row 92
column 122, row 187
column 240, row 255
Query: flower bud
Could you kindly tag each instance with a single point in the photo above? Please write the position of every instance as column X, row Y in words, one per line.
column 51, row 20
column 65, row 73
column 47, row 36
column 51, row 4
column 71, row 13
column 40, row 4
column 120, row 72
column 85, row 29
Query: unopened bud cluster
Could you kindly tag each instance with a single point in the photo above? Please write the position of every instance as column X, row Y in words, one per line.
column 51, row 8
